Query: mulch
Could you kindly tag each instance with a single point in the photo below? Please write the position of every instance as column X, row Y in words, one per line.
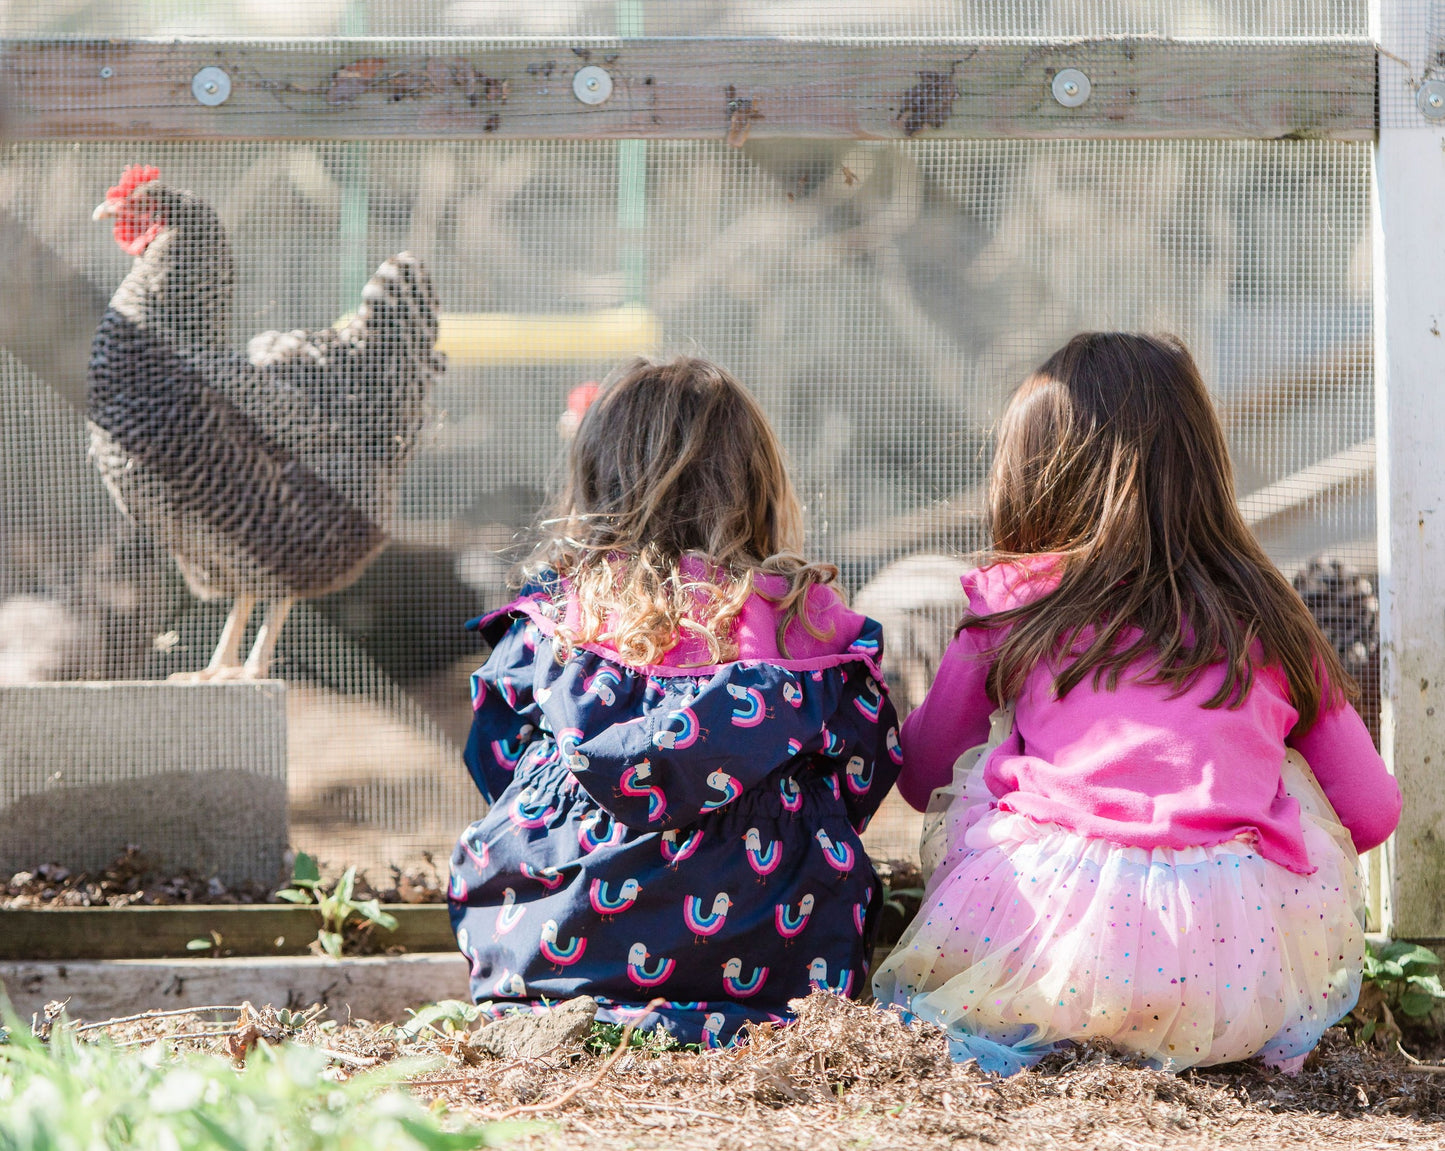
column 850, row 1076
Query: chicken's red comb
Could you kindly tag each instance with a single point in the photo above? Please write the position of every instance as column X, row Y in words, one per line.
column 131, row 179
column 580, row 398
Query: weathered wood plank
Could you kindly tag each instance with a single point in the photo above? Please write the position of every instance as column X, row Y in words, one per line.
column 728, row 89
column 163, row 932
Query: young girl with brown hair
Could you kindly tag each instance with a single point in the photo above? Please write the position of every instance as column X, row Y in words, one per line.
column 1138, row 850
column 681, row 730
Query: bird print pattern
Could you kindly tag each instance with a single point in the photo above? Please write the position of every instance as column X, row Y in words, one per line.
column 691, row 835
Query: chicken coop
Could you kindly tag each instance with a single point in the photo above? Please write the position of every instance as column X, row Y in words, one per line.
column 878, row 215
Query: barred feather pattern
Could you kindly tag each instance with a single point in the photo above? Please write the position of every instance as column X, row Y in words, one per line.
column 273, row 475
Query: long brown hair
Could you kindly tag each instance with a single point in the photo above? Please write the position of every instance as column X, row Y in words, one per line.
column 675, row 459
column 1111, row 455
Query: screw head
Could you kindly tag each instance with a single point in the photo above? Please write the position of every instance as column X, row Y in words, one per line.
column 1431, row 99
column 107, row 72
column 592, row 85
column 1070, row 87
column 211, row 86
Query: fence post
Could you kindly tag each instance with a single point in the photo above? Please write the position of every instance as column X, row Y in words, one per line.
column 1409, row 262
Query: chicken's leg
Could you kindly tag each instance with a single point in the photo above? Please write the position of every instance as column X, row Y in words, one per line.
column 226, row 662
column 258, row 663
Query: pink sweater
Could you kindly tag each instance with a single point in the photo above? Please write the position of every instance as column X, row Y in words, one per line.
column 1133, row 766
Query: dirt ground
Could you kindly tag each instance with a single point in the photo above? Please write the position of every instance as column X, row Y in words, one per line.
column 847, row 1076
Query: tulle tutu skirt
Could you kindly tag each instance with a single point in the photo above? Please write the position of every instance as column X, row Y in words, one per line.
column 1030, row 934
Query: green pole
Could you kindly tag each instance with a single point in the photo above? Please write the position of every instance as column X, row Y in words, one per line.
column 632, row 182
column 355, row 194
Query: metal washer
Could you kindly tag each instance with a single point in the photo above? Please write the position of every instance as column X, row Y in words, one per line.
column 211, row 86
column 1431, row 99
column 592, row 85
column 1071, row 87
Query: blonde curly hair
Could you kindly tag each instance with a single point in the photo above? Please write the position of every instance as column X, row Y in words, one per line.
column 675, row 459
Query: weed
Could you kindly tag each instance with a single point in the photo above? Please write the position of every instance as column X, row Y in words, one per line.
column 338, row 907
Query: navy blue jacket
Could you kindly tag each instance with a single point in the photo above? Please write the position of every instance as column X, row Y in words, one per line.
column 683, row 834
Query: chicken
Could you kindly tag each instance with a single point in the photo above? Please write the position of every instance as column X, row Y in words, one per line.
column 270, row 477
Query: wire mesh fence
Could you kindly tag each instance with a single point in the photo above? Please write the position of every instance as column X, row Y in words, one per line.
column 880, row 298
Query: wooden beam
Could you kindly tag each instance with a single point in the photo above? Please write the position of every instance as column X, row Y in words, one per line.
column 163, row 932
column 731, row 90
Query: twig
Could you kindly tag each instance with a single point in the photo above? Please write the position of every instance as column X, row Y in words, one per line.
column 1433, row 1068
column 572, row 1092
column 176, row 1037
column 1408, row 1057
column 153, row 1015
column 675, row 1109
column 346, row 1060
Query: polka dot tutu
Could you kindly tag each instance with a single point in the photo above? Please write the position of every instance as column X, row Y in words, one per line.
column 1030, row 935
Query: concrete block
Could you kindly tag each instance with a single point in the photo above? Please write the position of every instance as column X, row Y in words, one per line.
column 377, row 988
column 192, row 774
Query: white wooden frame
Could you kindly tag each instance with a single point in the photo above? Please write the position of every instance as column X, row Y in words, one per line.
column 1409, row 263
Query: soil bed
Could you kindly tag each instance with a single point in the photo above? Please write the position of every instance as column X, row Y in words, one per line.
column 848, row 1076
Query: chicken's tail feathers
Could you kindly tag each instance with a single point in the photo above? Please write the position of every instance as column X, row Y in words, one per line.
column 399, row 311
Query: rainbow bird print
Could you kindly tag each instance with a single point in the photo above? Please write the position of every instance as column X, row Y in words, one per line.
column 604, row 904
column 548, row 877
column 895, row 749
column 727, row 787
column 510, row 985
column 637, row 970
column 588, row 838
column 818, row 978
column 762, row 862
column 673, row 852
column 750, row 709
column 457, row 889
column 561, row 956
column 859, row 775
column 791, row 794
column 789, row 923
column 736, row 985
column 840, row 856
column 710, row 924
column 634, row 785
column 870, row 703
column 792, row 693
column 711, row 1028
column 603, row 684
column 685, row 737
column 508, row 752
column 509, row 914
column 530, row 810
column 465, row 943
column 567, row 740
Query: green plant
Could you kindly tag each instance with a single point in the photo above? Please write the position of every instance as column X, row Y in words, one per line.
column 75, row 1095
column 1399, row 978
column 338, row 907
column 446, row 1017
column 893, row 898
column 604, row 1038
column 211, row 943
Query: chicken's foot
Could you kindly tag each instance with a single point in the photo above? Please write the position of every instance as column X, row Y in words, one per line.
column 258, row 663
column 226, row 662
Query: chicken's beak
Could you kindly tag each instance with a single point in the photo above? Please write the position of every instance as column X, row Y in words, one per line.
column 106, row 210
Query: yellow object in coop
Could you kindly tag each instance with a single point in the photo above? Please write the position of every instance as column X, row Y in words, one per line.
column 490, row 338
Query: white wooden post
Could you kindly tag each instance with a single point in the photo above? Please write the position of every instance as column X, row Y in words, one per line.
column 1409, row 260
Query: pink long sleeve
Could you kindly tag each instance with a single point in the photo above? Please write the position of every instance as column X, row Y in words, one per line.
column 1352, row 775
column 952, row 718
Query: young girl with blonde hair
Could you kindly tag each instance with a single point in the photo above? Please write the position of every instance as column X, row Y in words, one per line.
column 1137, row 850
column 681, row 730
